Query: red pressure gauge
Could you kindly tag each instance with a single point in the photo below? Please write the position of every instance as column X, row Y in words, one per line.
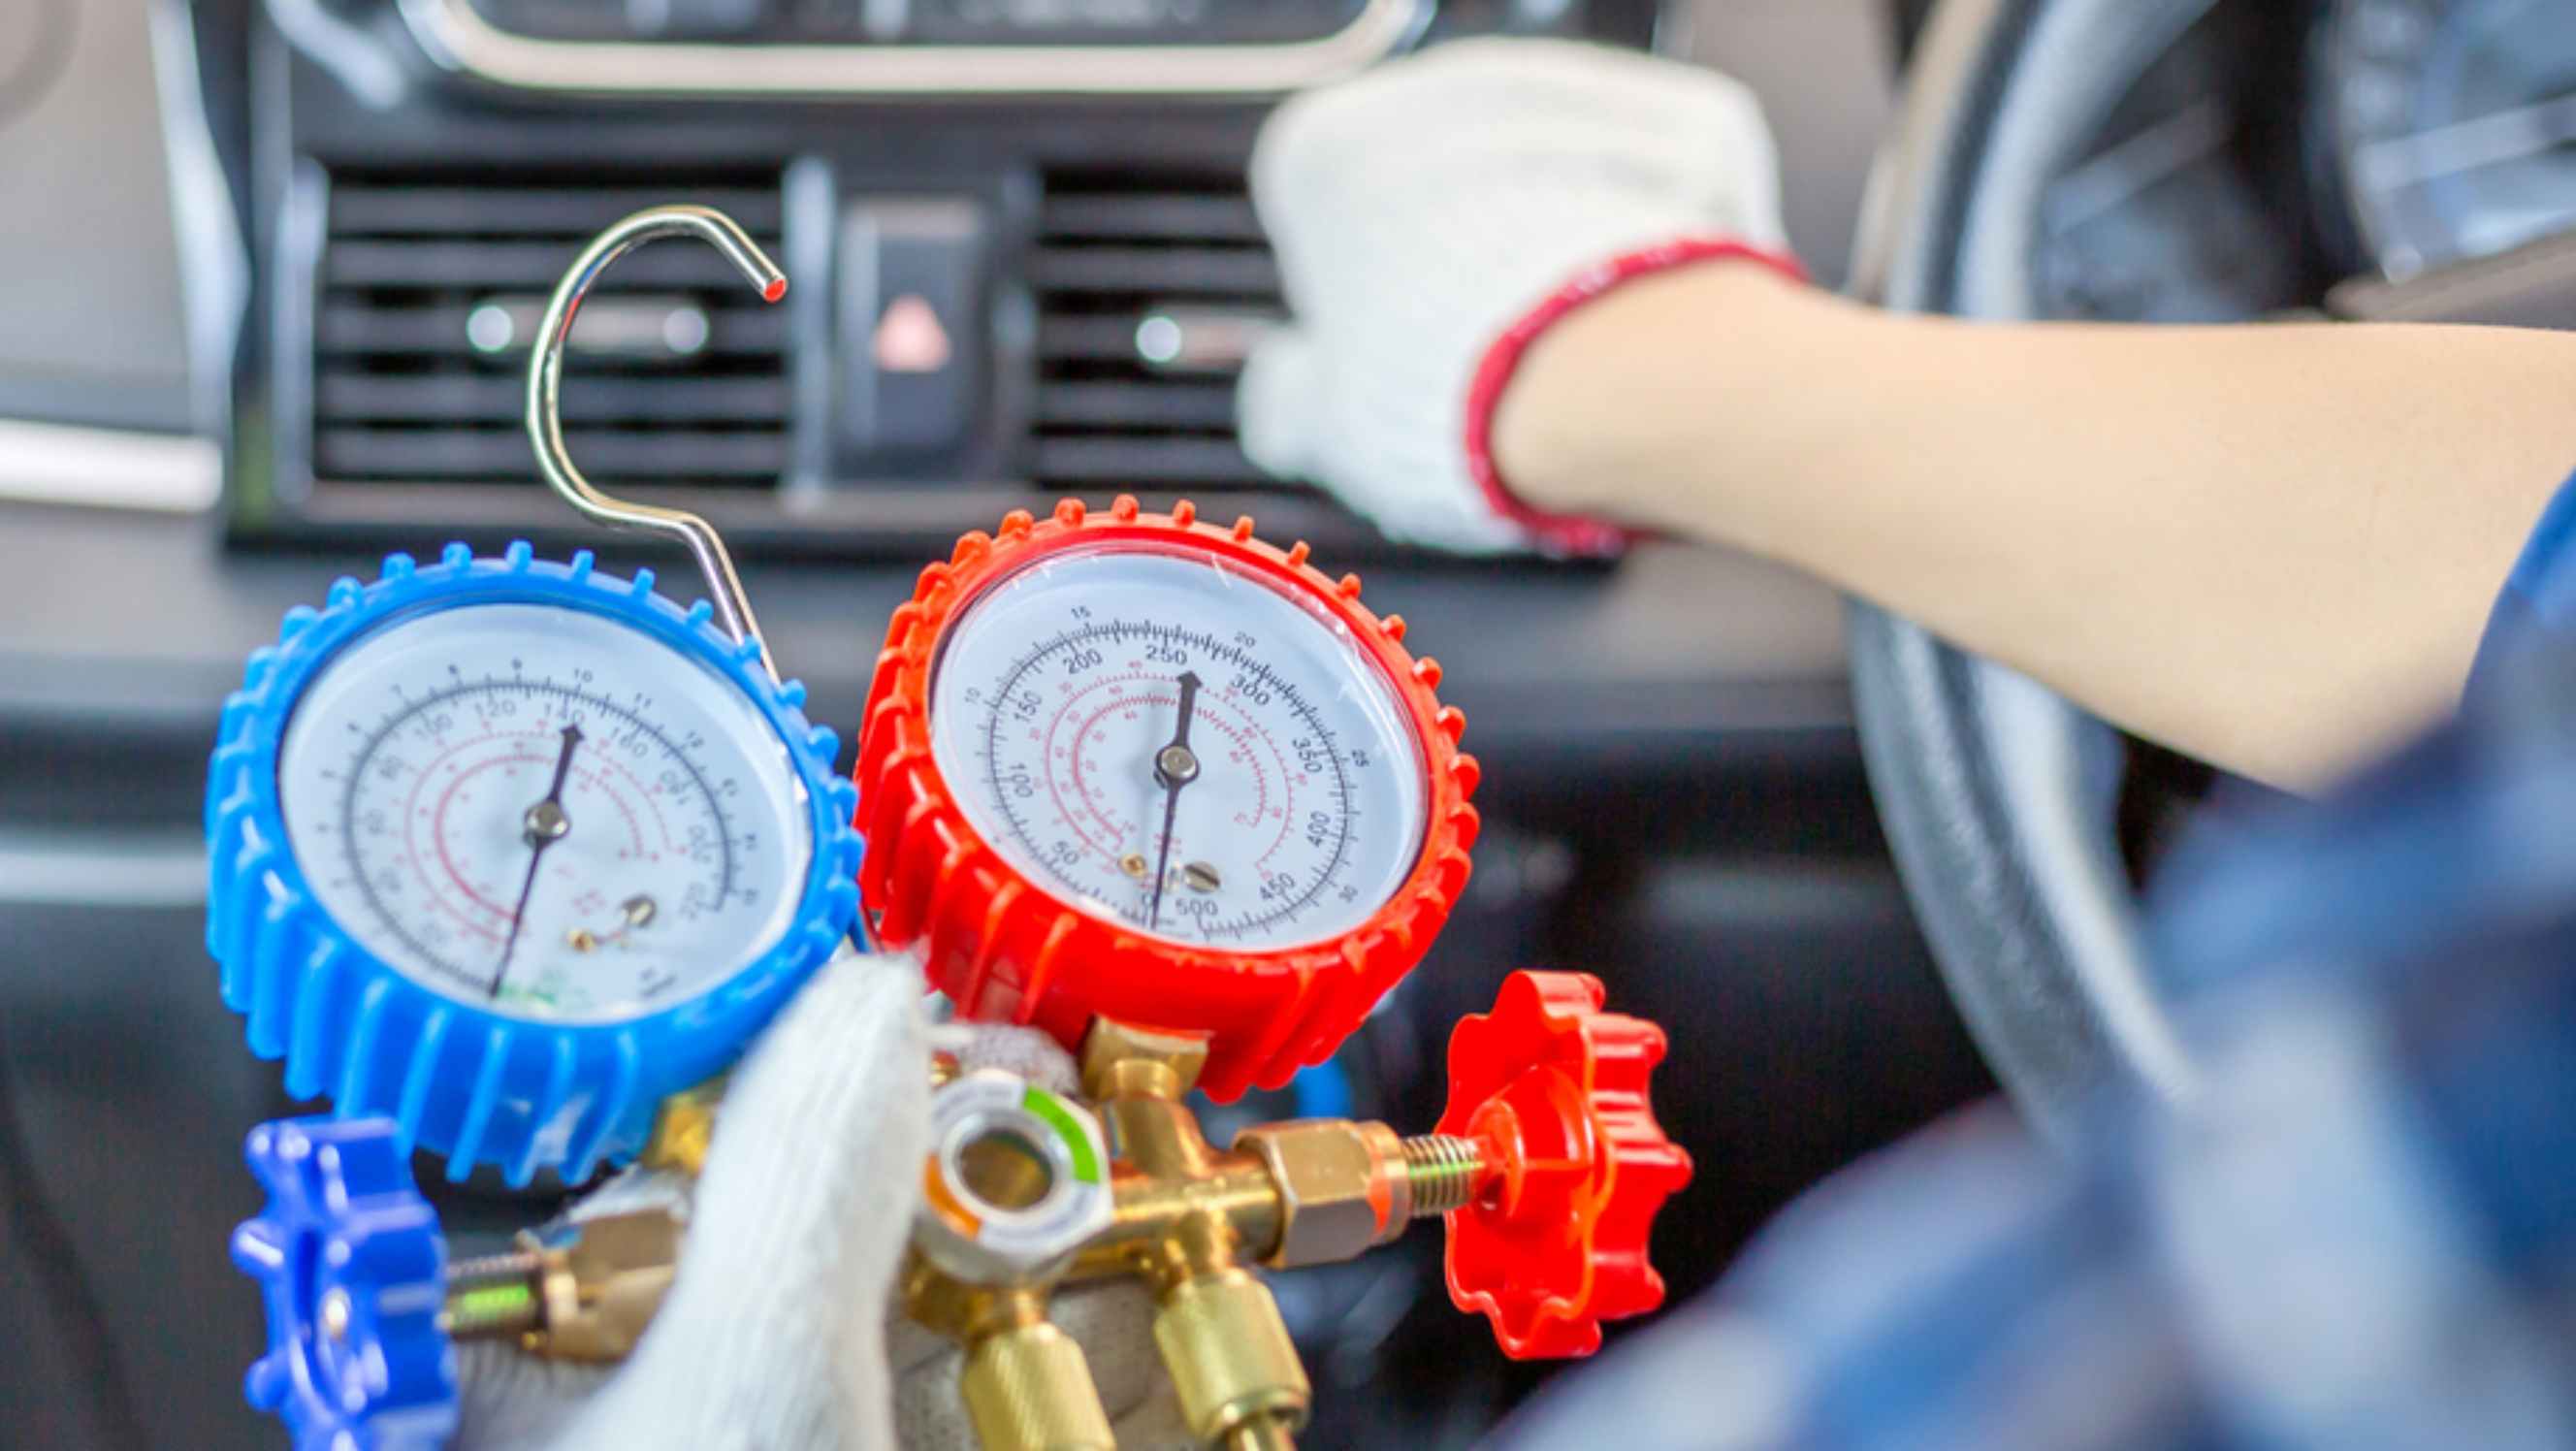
column 1137, row 766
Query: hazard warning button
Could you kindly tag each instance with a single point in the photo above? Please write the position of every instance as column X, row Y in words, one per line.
column 911, row 324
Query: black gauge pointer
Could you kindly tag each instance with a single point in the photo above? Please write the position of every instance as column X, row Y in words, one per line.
column 543, row 826
column 1175, row 766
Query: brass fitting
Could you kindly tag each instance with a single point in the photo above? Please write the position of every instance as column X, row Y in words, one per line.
column 1231, row 1360
column 1029, row 1389
column 601, row 1288
column 1025, row 1383
column 587, row 1296
column 1120, row 1061
column 1170, row 1209
column 682, row 1128
column 1342, row 1188
column 1184, row 1215
column 1016, row 1181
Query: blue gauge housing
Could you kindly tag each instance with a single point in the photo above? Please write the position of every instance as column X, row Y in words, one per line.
column 479, row 1086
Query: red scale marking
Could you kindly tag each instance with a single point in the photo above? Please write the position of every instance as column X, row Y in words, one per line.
column 1117, row 831
column 597, row 783
column 540, row 746
column 661, row 827
column 453, row 796
column 1095, row 803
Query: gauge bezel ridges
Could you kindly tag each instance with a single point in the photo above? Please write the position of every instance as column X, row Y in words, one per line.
column 476, row 1086
column 1005, row 948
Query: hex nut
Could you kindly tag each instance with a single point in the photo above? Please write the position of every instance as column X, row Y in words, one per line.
column 1342, row 1190
column 1016, row 1180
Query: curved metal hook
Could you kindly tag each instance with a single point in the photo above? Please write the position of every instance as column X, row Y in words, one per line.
column 545, row 397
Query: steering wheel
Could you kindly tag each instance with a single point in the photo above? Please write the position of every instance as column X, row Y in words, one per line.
column 1997, row 794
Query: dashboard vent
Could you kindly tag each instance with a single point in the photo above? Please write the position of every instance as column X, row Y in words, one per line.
column 429, row 289
column 1150, row 286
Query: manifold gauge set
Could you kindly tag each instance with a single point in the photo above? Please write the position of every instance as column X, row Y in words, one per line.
column 513, row 857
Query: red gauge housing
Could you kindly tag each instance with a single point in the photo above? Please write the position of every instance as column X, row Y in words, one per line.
column 1004, row 948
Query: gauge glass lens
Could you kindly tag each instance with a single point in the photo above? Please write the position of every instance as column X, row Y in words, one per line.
column 543, row 810
column 1291, row 809
column 2458, row 120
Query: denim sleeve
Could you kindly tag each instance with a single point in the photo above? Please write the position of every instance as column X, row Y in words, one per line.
column 2363, row 1232
column 2538, row 602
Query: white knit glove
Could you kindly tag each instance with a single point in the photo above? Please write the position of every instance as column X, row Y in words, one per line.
column 779, row 1333
column 1424, row 209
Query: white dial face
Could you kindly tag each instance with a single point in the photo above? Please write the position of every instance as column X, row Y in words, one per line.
column 1285, row 806
column 539, row 809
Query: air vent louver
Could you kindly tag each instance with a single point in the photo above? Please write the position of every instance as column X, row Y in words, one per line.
column 1150, row 285
column 429, row 289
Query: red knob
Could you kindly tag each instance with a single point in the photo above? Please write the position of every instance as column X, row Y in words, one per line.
column 1552, row 1090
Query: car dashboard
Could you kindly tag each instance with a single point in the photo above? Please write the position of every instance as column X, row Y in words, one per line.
column 275, row 269
column 1027, row 264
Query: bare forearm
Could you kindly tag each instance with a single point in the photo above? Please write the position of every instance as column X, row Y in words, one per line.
column 2273, row 547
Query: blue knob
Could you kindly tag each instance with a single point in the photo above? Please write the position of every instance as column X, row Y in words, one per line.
column 353, row 1268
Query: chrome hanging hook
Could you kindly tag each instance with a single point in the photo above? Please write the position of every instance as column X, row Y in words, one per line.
column 545, row 398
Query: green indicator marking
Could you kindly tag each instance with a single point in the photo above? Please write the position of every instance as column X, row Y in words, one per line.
column 490, row 1306
column 1086, row 1167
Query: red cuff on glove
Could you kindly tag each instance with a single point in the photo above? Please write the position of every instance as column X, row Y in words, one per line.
column 1573, row 533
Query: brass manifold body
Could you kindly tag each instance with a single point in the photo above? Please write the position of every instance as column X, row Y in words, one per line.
column 1189, row 1220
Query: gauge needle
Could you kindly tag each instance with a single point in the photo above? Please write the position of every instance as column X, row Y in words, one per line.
column 543, row 826
column 1175, row 766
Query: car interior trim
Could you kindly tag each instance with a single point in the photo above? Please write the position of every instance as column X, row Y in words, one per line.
column 2534, row 285
column 59, row 463
column 370, row 71
column 86, row 868
column 456, row 36
column 214, row 265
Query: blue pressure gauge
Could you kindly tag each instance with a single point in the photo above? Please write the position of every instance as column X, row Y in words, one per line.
column 508, row 850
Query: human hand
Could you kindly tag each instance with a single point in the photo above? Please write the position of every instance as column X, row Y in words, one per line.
column 1432, row 216
column 780, row 1332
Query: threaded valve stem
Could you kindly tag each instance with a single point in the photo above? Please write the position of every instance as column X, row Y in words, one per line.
column 493, row 1297
column 1444, row 1171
